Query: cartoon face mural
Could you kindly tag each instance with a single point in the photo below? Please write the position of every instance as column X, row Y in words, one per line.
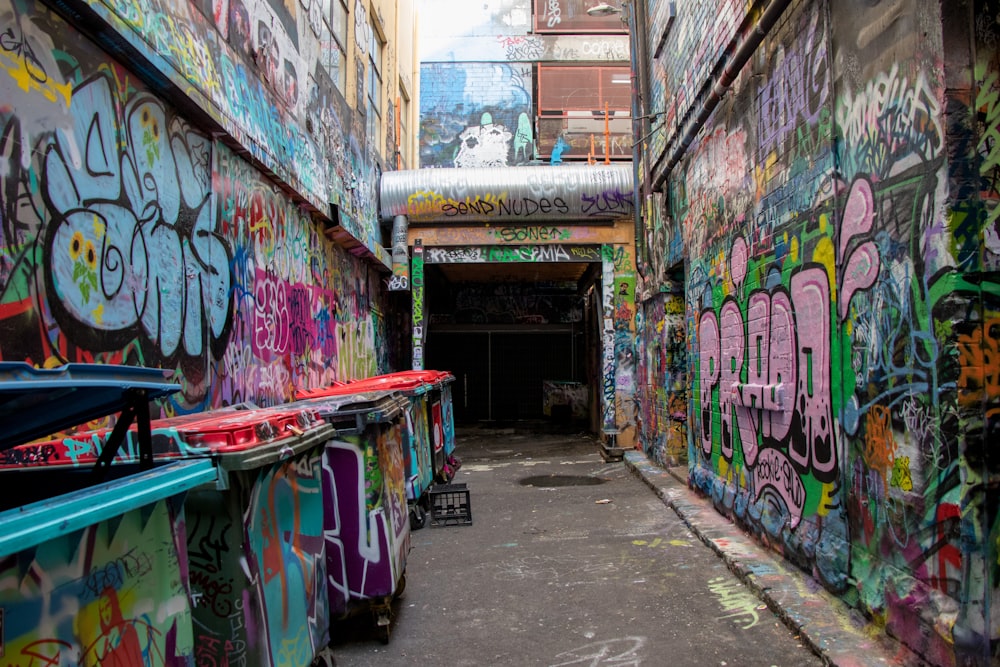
column 484, row 146
column 475, row 114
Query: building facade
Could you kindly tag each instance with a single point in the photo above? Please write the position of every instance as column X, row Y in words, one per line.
column 524, row 210
column 819, row 293
column 193, row 186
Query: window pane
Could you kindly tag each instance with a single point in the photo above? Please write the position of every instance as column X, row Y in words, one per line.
column 375, row 88
column 571, row 16
column 565, row 89
column 616, row 87
column 340, row 23
column 338, row 67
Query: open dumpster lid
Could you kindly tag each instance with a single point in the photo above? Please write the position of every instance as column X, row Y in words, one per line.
column 38, row 402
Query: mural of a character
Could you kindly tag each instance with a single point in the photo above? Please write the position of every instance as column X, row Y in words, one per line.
column 558, row 150
column 484, row 145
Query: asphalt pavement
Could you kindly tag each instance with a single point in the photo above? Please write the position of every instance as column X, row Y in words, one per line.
column 573, row 560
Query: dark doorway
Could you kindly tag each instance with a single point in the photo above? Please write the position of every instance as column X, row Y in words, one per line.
column 499, row 374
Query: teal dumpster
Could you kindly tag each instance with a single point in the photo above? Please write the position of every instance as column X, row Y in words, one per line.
column 254, row 537
column 436, row 387
column 92, row 558
column 255, row 541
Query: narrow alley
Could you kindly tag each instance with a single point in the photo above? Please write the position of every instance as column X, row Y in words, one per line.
column 260, row 260
column 571, row 560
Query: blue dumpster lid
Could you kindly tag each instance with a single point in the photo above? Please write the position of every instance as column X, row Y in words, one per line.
column 38, row 402
column 30, row 525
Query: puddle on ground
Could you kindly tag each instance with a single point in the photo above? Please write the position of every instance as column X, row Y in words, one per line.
column 553, row 481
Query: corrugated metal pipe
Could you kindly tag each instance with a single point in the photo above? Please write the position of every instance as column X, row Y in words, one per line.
column 526, row 194
column 741, row 54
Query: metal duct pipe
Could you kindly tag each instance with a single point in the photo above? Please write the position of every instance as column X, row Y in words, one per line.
column 740, row 55
column 524, row 194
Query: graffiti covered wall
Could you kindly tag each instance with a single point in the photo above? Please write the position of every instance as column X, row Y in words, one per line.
column 129, row 236
column 265, row 71
column 662, row 379
column 476, row 115
column 841, row 300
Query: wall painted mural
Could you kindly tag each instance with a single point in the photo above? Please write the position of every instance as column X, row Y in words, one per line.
column 662, row 379
column 129, row 236
column 476, row 115
column 841, row 308
column 264, row 71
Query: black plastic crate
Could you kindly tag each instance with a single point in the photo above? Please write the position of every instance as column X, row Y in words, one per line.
column 450, row 505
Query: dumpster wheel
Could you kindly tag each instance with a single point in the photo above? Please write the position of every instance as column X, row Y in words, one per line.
column 383, row 620
column 418, row 516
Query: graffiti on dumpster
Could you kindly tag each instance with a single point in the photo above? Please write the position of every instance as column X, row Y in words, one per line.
column 100, row 606
column 367, row 530
column 284, row 527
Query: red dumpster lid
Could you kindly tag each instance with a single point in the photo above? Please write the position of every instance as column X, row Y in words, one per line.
column 366, row 385
column 427, row 376
column 196, row 434
column 402, row 381
column 233, row 431
column 77, row 449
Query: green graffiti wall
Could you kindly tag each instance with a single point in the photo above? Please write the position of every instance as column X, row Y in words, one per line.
column 841, row 300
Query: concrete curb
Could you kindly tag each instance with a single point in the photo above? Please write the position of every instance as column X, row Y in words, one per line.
column 834, row 631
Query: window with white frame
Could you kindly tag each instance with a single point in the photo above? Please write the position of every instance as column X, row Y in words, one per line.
column 403, row 136
column 376, row 53
column 338, row 46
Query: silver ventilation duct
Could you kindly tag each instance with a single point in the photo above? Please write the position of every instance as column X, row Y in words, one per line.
column 527, row 194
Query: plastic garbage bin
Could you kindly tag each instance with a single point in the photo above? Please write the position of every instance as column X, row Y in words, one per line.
column 418, row 455
column 92, row 559
column 367, row 529
column 430, row 423
column 255, row 541
column 440, row 417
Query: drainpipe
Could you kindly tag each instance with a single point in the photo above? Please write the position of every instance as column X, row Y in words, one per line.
column 640, row 125
column 742, row 52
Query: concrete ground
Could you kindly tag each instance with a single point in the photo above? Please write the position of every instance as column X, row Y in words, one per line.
column 571, row 560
